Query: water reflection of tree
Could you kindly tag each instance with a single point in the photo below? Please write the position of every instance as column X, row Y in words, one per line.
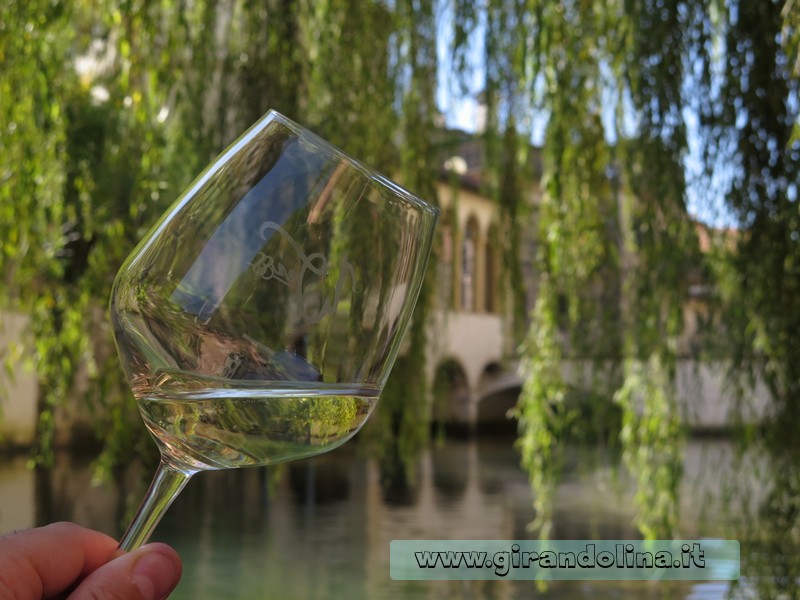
column 763, row 499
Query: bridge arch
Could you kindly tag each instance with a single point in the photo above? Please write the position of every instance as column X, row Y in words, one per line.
column 452, row 396
column 498, row 391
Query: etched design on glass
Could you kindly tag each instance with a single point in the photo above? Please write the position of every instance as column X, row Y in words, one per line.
column 297, row 279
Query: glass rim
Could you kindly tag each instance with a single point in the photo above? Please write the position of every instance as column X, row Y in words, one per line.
column 326, row 146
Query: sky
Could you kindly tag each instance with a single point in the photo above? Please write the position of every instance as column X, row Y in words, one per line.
column 462, row 110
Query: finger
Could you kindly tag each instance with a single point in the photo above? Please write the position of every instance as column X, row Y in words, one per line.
column 40, row 563
column 149, row 573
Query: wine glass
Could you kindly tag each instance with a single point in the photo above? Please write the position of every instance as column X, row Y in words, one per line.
column 258, row 320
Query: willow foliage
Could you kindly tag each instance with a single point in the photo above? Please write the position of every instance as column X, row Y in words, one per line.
column 630, row 90
column 111, row 108
column 108, row 109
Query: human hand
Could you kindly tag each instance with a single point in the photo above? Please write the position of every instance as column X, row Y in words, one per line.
column 65, row 560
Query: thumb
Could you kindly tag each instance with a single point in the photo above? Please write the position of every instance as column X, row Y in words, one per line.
column 148, row 573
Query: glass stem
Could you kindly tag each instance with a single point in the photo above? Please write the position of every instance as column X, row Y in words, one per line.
column 167, row 484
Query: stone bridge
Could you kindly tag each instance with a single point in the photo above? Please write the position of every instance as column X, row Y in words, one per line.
column 471, row 383
column 475, row 384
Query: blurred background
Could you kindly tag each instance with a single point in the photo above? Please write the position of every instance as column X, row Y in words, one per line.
column 608, row 343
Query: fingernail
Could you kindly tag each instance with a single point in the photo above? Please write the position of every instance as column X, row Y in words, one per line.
column 155, row 573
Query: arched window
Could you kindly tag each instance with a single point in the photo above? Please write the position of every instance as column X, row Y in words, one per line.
column 469, row 248
column 447, row 265
column 490, row 280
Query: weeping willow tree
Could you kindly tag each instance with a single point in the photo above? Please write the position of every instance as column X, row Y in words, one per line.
column 752, row 147
column 628, row 92
column 402, row 424
column 108, row 109
column 612, row 230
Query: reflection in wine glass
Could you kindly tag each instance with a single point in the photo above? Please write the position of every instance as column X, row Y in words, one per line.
column 258, row 320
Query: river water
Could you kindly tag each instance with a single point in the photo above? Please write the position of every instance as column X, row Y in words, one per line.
column 320, row 529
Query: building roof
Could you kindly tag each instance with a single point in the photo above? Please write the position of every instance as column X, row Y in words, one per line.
column 464, row 155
